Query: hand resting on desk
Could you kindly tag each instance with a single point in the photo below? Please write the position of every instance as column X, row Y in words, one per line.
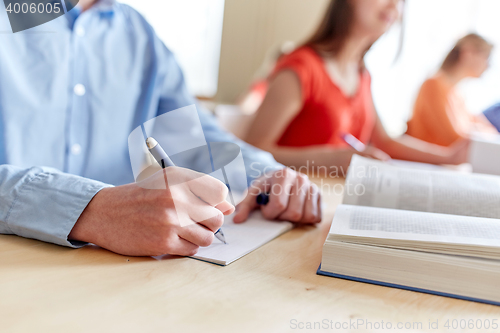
column 292, row 197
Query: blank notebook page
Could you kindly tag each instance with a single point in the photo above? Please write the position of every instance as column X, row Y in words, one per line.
column 242, row 238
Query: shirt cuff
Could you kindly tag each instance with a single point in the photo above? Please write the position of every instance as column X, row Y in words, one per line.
column 48, row 204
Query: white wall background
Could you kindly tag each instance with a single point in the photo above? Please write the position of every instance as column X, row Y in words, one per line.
column 432, row 28
column 192, row 29
column 251, row 29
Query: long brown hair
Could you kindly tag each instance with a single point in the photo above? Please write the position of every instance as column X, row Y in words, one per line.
column 476, row 41
column 335, row 27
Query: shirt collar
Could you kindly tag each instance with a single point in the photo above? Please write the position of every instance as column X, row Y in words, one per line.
column 104, row 5
column 106, row 9
column 101, row 6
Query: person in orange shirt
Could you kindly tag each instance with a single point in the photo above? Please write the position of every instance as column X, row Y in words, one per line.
column 321, row 92
column 440, row 115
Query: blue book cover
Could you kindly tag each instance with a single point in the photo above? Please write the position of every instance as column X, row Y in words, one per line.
column 392, row 285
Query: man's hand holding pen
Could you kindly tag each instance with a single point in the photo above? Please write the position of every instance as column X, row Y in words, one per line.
column 175, row 211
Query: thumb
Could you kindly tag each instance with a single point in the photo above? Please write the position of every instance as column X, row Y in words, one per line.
column 242, row 211
column 249, row 203
column 245, row 208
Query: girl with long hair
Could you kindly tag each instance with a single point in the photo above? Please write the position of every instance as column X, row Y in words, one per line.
column 321, row 92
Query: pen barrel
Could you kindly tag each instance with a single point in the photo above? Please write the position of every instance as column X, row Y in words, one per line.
column 161, row 157
column 262, row 199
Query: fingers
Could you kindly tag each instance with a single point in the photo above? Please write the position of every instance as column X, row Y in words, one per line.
column 209, row 189
column 225, row 207
column 198, row 196
column 197, row 235
column 312, row 206
column 292, row 198
column 380, row 155
column 195, row 211
column 279, row 196
column 250, row 203
column 208, row 220
column 244, row 209
column 295, row 209
column 202, row 232
column 180, row 247
column 304, row 204
column 375, row 153
column 212, row 218
column 200, row 204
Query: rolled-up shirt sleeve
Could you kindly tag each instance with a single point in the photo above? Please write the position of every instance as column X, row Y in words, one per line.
column 43, row 203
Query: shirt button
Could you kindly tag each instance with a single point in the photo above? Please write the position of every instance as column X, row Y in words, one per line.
column 79, row 89
column 80, row 32
column 76, row 149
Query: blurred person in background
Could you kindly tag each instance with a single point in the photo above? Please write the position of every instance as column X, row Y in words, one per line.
column 440, row 115
column 321, row 91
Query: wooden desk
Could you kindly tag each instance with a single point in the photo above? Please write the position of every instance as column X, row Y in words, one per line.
column 50, row 288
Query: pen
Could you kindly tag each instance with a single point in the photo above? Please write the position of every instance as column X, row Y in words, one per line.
column 353, row 142
column 162, row 158
column 262, row 199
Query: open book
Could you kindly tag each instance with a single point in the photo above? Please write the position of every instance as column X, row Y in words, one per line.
column 424, row 230
column 242, row 238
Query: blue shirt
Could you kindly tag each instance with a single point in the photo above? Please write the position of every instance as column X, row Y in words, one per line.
column 71, row 92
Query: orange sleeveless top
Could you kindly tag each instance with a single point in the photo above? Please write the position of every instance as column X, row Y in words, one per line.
column 327, row 113
column 439, row 115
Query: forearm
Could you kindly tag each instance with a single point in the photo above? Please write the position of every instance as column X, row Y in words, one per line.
column 409, row 148
column 309, row 157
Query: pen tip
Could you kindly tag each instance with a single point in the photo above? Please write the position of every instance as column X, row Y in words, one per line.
column 220, row 236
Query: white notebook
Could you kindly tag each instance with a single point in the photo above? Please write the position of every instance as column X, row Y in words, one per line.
column 242, row 238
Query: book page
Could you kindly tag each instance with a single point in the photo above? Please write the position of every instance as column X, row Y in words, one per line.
column 415, row 165
column 484, row 154
column 392, row 224
column 465, row 168
column 242, row 238
column 377, row 184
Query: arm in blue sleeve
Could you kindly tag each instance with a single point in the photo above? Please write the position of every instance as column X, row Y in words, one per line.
column 43, row 203
column 176, row 95
column 257, row 162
